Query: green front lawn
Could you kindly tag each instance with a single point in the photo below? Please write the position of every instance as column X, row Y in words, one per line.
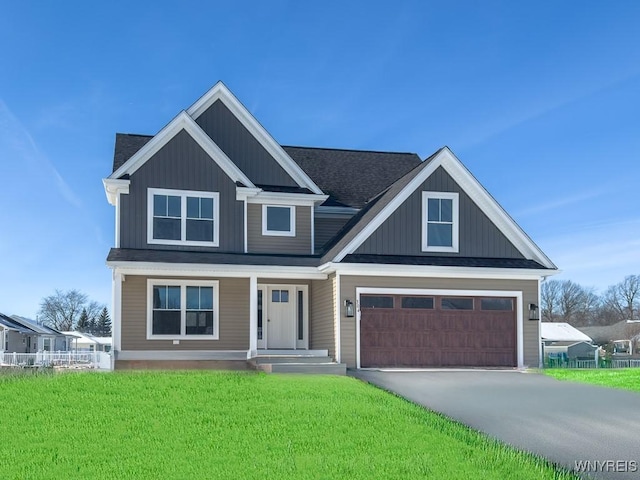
column 236, row 426
column 625, row 378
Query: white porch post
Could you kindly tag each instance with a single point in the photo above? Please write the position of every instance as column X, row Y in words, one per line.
column 117, row 311
column 253, row 316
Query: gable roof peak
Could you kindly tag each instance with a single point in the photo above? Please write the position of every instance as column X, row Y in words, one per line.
column 220, row 92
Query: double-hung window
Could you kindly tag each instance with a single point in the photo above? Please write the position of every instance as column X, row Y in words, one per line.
column 182, row 309
column 178, row 217
column 439, row 222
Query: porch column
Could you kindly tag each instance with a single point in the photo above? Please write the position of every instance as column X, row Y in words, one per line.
column 253, row 316
column 117, row 311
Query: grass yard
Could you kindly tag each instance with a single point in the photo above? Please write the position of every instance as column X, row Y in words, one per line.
column 236, row 426
column 625, row 378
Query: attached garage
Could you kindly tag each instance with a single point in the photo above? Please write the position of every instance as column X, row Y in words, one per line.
column 420, row 330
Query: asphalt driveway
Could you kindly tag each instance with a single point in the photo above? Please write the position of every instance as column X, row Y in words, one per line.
column 562, row 421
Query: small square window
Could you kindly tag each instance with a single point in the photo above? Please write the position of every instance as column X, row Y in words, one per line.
column 278, row 220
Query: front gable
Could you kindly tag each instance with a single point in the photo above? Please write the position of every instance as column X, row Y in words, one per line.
column 243, row 136
column 402, row 233
column 181, row 164
column 502, row 233
column 241, row 147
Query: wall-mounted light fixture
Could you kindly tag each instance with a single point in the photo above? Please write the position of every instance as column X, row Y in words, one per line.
column 349, row 310
column 533, row 312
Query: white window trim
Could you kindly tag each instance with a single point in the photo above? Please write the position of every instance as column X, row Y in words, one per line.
column 455, row 217
column 183, row 194
column 276, row 233
column 183, row 308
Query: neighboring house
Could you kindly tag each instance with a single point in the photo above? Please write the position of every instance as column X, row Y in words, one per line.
column 48, row 339
column 229, row 246
column 559, row 337
column 553, row 332
column 624, row 335
column 84, row 342
column 15, row 337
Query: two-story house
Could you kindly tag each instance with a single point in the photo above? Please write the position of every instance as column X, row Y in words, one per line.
column 229, row 246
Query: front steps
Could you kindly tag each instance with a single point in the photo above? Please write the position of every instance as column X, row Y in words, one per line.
column 297, row 361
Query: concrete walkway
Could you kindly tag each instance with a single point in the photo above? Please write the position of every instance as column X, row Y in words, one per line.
column 562, row 421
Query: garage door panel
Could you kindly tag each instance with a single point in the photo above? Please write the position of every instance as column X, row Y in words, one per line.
column 415, row 337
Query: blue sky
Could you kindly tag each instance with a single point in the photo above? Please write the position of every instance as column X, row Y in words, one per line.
column 539, row 99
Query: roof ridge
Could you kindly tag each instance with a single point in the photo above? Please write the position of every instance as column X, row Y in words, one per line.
column 349, row 150
column 135, row 134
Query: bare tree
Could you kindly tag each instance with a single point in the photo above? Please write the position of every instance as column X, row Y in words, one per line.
column 570, row 300
column 62, row 310
column 550, row 298
column 588, row 310
column 629, row 291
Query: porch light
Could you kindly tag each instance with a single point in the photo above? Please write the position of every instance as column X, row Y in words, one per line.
column 533, row 312
column 348, row 308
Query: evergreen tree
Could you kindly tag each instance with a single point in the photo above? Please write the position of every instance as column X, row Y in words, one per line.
column 83, row 321
column 104, row 324
column 93, row 326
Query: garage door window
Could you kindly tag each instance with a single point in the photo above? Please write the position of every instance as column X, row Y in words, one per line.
column 376, row 302
column 452, row 303
column 417, row 302
column 496, row 304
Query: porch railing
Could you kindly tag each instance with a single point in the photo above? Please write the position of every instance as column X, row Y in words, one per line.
column 56, row 359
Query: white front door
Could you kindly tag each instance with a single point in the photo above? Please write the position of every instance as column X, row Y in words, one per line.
column 281, row 327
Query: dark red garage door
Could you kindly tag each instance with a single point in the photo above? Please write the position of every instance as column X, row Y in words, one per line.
column 437, row 331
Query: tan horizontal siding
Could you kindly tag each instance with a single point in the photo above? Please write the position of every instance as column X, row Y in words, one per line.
column 258, row 243
column 529, row 289
column 321, row 316
column 233, row 318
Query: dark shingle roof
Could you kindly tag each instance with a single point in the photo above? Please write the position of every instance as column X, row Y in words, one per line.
column 352, row 177
column 349, row 177
column 444, row 261
column 211, row 258
column 607, row 333
column 367, row 214
column 127, row 145
column 12, row 324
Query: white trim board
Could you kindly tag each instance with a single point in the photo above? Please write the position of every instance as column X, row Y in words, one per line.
column 216, row 271
column 443, row 292
column 182, row 122
column 431, row 271
column 220, row 92
column 489, row 206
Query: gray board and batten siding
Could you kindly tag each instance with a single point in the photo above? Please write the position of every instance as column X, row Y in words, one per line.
column 401, row 233
column 182, row 165
column 241, row 147
column 326, row 227
column 298, row 245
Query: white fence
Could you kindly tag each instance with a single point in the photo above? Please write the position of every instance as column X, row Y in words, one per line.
column 100, row 360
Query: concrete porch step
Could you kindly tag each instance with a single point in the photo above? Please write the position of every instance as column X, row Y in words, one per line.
column 261, row 360
column 331, row 368
column 292, row 353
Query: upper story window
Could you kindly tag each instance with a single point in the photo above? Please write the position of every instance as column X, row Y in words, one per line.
column 278, row 220
column 180, row 217
column 439, row 222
